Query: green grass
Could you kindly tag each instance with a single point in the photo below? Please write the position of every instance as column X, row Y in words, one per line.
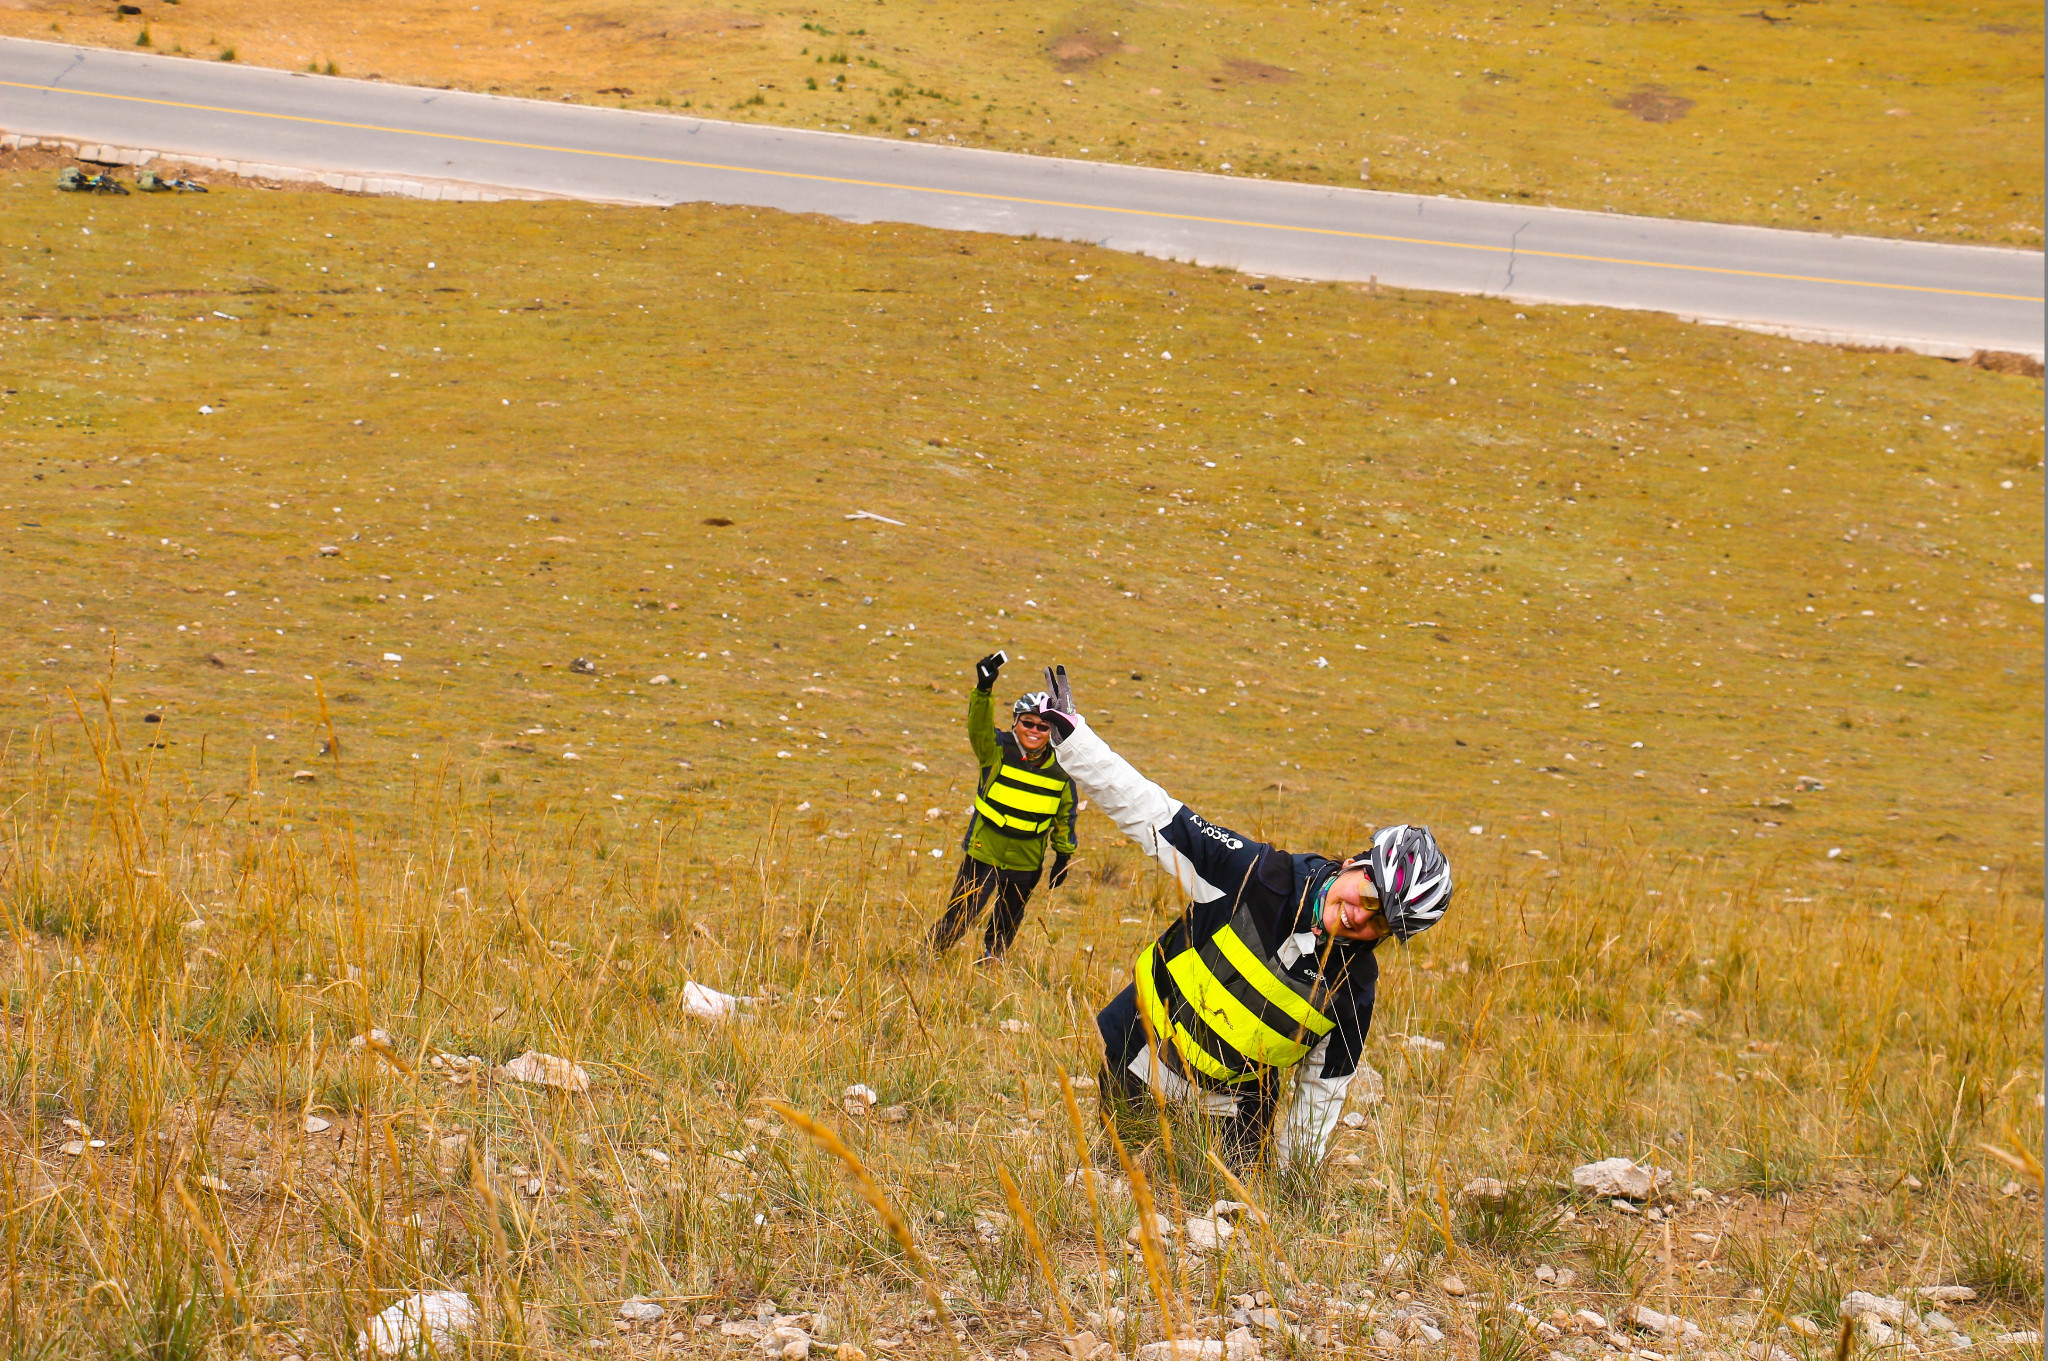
column 635, row 438
column 1892, row 119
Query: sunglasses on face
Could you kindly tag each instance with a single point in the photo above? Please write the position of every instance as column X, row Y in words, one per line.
column 1034, row 725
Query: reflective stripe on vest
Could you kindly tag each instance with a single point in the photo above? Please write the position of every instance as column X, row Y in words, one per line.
column 1230, row 1010
column 1020, row 802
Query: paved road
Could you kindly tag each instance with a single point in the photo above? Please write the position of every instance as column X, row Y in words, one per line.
column 1944, row 299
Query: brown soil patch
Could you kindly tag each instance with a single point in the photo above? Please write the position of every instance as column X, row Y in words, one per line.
column 1653, row 104
column 2005, row 361
column 1082, row 48
column 1244, row 68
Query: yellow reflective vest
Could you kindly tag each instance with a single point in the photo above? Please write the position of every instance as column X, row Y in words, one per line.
column 1226, row 1009
column 1021, row 802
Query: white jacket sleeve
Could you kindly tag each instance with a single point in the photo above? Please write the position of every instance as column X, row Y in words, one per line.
column 1313, row 1115
column 1140, row 809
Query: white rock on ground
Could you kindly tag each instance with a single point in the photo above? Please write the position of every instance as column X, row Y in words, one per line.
column 709, row 1004
column 1946, row 1294
column 1485, row 1188
column 1206, row 1235
column 791, row 1344
column 859, row 1099
column 2029, row 1338
column 1859, row 1303
column 1241, row 1345
column 439, row 1318
column 1182, row 1349
column 1875, row 1330
column 1619, row 1177
column 545, row 1070
column 315, row 1125
column 1162, row 1229
column 640, row 1309
column 1105, row 1185
column 1664, row 1325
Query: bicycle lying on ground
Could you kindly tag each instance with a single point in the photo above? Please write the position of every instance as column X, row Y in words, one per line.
column 149, row 182
column 75, row 181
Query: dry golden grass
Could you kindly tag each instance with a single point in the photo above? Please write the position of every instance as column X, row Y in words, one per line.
column 1887, row 118
column 554, row 404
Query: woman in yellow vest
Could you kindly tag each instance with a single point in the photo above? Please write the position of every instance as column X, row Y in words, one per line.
column 1268, row 974
column 1022, row 801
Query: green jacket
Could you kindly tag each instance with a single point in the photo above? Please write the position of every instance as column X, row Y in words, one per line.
column 1019, row 805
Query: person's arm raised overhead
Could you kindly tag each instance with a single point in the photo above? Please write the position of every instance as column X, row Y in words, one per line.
column 1210, row 862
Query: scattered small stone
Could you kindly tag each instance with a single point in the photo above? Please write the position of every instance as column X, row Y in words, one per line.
column 990, row 1227
column 1626, row 1207
column 1619, row 1177
column 436, row 1320
column 1912, row 1183
column 1876, row 1331
column 1547, row 1274
column 583, row 666
column 659, row 680
column 1206, row 1235
column 1426, row 1044
column 1162, row 1229
column 1549, row 1332
column 1946, row 1294
column 1011, row 1025
column 1937, row 1322
column 892, row 1115
column 1664, row 1325
column 859, row 1099
column 1861, row 1304
column 1105, row 1186
column 2028, row 1338
column 1591, row 1321
column 1228, row 1209
column 316, row 1125
column 1566, row 1278
column 846, row 1351
column 215, row 1184
column 328, row 550
column 2011, row 1188
column 451, row 1153
column 304, row 776
column 1808, row 784
column 369, row 1038
column 1182, row 1349
column 1242, row 1344
column 1451, row 1285
column 1353, row 1120
column 545, row 1070
column 655, row 1155
column 1485, row 1189
column 1352, row 1160
column 640, row 1309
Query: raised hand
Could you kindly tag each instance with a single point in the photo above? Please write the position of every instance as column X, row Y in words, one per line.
column 1057, row 708
column 987, row 669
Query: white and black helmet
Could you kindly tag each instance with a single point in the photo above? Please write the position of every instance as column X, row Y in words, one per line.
column 1028, row 704
column 1412, row 876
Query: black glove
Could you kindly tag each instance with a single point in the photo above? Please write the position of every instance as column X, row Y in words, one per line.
column 987, row 669
column 1059, row 868
column 1058, row 705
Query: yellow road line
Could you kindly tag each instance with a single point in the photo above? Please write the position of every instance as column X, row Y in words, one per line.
column 1012, row 198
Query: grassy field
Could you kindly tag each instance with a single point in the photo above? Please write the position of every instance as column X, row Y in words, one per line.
column 1889, row 119
column 1589, row 593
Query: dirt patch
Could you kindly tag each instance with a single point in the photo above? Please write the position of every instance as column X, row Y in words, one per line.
column 1244, row 68
column 1655, row 104
column 2005, row 361
column 1083, row 47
